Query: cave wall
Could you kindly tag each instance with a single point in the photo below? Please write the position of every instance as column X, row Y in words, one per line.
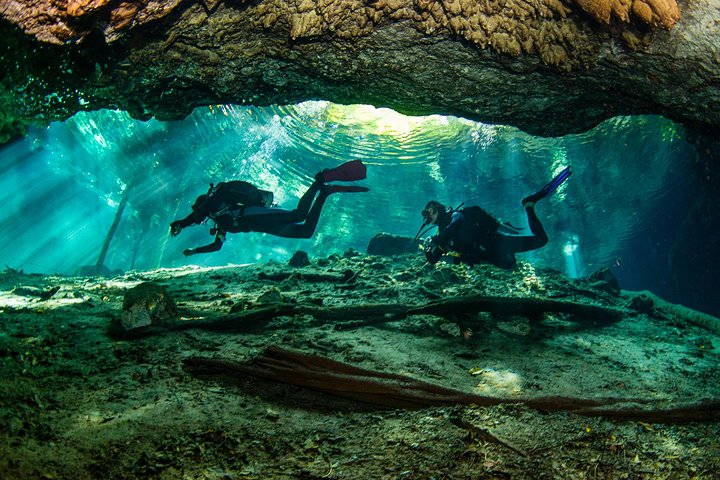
column 548, row 67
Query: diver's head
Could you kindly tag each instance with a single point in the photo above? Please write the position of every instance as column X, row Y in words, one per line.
column 432, row 211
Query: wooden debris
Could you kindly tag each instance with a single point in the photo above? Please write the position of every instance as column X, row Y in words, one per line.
column 399, row 391
column 670, row 311
column 29, row 291
column 355, row 316
column 485, row 435
column 530, row 307
column 343, row 380
column 309, row 277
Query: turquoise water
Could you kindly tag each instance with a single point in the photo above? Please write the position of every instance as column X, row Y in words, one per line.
column 61, row 186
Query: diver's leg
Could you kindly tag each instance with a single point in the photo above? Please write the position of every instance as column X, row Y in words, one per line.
column 549, row 188
column 536, row 227
column 524, row 243
column 347, row 172
column 303, row 206
column 307, row 228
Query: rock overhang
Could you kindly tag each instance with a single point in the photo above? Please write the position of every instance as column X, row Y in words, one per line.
column 548, row 67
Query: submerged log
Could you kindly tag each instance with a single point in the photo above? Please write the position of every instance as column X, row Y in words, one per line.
column 526, row 306
column 355, row 316
column 243, row 321
column 661, row 308
column 372, row 314
column 399, row 391
column 309, row 277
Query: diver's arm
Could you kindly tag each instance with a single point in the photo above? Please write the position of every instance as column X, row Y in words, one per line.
column 212, row 247
column 201, row 211
column 438, row 245
column 193, row 219
column 446, row 234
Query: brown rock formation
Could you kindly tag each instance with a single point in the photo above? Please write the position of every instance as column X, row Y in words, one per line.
column 547, row 66
column 657, row 13
column 61, row 21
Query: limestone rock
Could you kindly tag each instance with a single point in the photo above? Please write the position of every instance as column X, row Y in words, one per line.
column 299, row 259
column 604, row 279
column 386, row 244
column 544, row 66
column 145, row 307
column 660, row 13
column 61, row 21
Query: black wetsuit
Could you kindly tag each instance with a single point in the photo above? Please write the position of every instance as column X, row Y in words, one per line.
column 230, row 216
column 490, row 246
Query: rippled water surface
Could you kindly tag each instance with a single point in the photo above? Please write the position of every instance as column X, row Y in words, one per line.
column 61, row 186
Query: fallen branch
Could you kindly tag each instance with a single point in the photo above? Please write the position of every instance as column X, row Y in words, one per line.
column 671, row 311
column 255, row 318
column 345, row 277
column 485, row 435
column 27, row 291
column 398, row 391
column 373, row 314
column 355, row 316
column 530, row 307
column 247, row 320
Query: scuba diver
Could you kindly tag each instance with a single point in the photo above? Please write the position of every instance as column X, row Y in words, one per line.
column 472, row 235
column 238, row 206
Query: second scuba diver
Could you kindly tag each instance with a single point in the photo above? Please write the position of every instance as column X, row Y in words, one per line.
column 474, row 235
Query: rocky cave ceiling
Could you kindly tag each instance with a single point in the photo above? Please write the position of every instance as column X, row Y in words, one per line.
column 549, row 67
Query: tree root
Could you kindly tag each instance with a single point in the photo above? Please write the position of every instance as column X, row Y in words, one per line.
column 530, row 307
column 398, row 391
column 673, row 312
column 373, row 314
column 368, row 386
column 345, row 277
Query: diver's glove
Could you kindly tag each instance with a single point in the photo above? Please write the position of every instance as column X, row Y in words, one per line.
column 432, row 250
column 175, row 228
column 189, row 251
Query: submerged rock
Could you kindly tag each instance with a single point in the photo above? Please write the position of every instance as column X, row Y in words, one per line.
column 299, row 259
column 641, row 304
column 351, row 253
column 145, row 306
column 270, row 297
column 604, row 280
column 388, row 245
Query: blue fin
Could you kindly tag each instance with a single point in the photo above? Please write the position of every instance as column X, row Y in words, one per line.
column 550, row 187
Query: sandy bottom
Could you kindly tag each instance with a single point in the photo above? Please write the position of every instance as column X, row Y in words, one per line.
column 78, row 403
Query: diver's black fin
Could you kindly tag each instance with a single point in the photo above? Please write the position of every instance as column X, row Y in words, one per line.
column 347, row 172
column 346, row 188
column 550, row 187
